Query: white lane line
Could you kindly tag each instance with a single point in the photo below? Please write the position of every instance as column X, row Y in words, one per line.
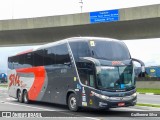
column 128, row 109
column 149, row 93
column 92, row 118
column 30, row 106
column 9, row 98
column 50, row 110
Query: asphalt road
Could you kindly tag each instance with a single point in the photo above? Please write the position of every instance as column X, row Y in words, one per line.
column 10, row 104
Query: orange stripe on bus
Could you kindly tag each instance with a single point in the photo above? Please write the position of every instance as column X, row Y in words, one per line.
column 39, row 73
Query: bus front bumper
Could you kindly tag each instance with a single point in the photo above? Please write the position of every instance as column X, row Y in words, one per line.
column 116, row 102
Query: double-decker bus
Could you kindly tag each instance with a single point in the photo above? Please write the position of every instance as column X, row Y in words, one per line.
column 79, row 72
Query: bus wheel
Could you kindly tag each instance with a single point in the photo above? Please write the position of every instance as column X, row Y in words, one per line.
column 19, row 96
column 25, row 97
column 72, row 102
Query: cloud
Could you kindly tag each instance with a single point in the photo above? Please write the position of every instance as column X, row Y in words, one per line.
column 146, row 50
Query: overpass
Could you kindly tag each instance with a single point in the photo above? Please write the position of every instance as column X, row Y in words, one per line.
column 132, row 23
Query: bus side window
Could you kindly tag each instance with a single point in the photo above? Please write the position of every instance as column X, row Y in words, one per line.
column 49, row 56
column 28, row 60
column 80, row 49
column 15, row 62
column 83, row 49
column 87, row 78
column 10, row 63
column 62, row 54
column 86, row 73
column 21, row 61
column 38, row 58
column 91, row 80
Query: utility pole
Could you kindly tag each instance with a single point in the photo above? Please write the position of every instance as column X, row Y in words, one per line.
column 81, row 5
column 12, row 9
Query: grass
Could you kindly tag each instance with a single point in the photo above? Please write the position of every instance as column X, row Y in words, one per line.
column 4, row 85
column 148, row 90
column 148, row 105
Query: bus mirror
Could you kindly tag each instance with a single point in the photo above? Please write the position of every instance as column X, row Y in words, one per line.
column 143, row 69
column 141, row 63
column 98, row 69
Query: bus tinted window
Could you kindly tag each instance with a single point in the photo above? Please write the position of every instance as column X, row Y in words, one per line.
column 10, row 63
column 62, row 55
column 38, row 58
column 21, row 61
column 86, row 73
column 28, row 60
column 49, row 56
column 15, row 62
column 110, row 50
column 80, row 49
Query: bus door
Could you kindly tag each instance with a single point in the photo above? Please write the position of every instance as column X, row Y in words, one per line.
column 61, row 70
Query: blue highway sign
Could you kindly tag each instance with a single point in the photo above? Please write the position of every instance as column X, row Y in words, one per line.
column 104, row 16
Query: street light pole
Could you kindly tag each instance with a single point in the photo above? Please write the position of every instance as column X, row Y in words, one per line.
column 12, row 9
column 81, row 5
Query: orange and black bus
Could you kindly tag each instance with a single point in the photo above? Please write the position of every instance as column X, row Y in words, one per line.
column 79, row 72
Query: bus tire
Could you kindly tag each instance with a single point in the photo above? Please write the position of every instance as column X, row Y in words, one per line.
column 72, row 102
column 25, row 97
column 19, row 96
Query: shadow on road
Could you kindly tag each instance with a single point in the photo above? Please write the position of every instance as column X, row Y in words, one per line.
column 62, row 111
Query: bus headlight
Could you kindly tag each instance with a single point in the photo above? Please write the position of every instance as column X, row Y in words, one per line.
column 104, row 97
column 100, row 96
column 134, row 95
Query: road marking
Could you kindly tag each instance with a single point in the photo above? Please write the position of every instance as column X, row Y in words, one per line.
column 92, row 118
column 77, row 118
column 30, row 106
column 127, row 109
column 49, row 110
column 11, row 98
column 149, row 93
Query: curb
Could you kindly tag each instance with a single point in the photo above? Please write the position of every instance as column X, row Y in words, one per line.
column 148, row 105
column 148, row 93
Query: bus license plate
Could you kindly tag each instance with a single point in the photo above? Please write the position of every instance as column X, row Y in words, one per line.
column 121, row 104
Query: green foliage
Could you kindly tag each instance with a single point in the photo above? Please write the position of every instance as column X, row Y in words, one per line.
column 148, row 105
column 148, row 90
column 4, row 85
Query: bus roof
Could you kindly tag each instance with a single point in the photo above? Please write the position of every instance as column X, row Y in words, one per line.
column 77, row 39
column 64, row 40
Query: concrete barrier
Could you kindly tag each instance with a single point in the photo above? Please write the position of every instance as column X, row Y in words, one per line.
column 148, row 84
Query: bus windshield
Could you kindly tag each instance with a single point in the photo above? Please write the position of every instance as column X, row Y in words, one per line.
column 109, row 50
column 115, row 78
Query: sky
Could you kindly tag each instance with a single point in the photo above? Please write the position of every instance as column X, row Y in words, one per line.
column 145, row 50
column 14, row 9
